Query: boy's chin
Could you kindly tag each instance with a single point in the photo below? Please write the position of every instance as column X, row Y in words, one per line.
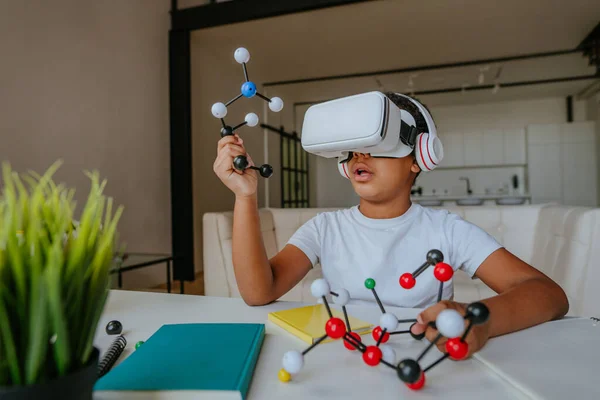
column 369, row 192
column 375, row 192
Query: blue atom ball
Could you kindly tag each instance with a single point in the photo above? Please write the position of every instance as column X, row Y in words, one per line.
column 248, row 89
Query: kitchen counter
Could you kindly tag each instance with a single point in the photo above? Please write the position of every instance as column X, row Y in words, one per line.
column 448, row 197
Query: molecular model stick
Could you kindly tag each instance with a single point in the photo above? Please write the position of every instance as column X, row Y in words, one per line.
column 442, row 272
column 449, row 323
column 248, row 90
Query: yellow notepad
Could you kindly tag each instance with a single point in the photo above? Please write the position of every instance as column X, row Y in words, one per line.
column 308, row 323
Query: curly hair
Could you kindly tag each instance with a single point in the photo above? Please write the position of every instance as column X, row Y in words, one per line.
column 405, row 104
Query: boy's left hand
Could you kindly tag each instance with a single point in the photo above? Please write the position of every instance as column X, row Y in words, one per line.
column 476, row 338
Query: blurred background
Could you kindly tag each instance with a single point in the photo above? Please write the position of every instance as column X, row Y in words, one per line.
column 514, row 89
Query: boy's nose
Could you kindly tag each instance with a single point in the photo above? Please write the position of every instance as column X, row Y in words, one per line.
column 363, row 155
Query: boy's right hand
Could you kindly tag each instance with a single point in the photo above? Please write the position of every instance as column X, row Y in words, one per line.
column 475, row 339
column 241, row 183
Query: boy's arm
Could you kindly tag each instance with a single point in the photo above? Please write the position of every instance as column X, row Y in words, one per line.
column 260, row 280
column 526, row 297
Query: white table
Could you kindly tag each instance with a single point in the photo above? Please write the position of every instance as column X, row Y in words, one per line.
column 330, row 371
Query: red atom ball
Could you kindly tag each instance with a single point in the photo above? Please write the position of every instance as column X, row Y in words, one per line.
column 335, row 328
column 418, row 384
column 457, row 348
column 347, row 343
column 443, row 272
column 407, row 281
column 377, row 333
column 372, row 355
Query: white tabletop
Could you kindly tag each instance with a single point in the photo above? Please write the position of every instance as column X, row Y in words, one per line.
column 330, row 371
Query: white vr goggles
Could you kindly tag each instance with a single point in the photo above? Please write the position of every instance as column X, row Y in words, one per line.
column 369, row 123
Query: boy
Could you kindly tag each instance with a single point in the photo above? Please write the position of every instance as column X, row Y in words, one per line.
column 382, row 238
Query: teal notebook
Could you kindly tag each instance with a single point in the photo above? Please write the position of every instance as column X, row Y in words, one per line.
column 208, row 359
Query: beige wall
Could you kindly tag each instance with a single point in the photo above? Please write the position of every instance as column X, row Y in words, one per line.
column 87, row 82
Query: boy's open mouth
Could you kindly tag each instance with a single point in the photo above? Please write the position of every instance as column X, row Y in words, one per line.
column 362, row 173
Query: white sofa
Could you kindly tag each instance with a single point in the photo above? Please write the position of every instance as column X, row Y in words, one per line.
column 563, row 242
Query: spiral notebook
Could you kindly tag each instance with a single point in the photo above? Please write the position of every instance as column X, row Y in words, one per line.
column 112, row 354
column 211, row 360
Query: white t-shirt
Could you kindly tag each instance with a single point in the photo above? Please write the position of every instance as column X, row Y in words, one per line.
column 352, row 247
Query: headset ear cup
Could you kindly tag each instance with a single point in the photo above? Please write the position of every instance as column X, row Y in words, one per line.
column 436, row 150
column 428, row 151
column 343, row 169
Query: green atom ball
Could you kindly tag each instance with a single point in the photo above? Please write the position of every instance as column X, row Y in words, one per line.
column 370, row 283
column 138, row 344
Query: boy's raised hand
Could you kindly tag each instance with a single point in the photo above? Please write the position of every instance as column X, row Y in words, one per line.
column 476, row 338
column 241, row 183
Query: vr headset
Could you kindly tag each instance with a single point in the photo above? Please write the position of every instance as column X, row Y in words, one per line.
column 370, row 123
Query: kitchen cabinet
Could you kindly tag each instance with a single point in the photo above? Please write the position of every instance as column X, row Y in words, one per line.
column 514, row 146
column 473, row 148
column 493, row 147
column 545, row 173
column 454, row 151
column 562, row 163
column 578, row 159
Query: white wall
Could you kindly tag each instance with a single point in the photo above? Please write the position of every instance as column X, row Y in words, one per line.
column 505, row 115
column 87, row 82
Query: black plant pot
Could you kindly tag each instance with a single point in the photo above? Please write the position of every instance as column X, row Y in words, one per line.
column 77, row 385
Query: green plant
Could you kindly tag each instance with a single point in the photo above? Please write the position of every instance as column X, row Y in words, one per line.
column 54, row 274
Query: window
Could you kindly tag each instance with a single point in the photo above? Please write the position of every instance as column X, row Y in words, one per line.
column 294, row 171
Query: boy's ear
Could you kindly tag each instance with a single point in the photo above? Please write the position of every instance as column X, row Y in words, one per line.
column 415, row 166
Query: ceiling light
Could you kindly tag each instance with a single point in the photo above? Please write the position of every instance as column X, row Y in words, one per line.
column 410, row 79
column 481, row 74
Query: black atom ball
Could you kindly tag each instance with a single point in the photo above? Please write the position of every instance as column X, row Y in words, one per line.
column 266, row 171
column 434, row 257
column 416, row 337
column 114, row 328
column 226, row 131
column 408, row 371
column 478, row 313
column 240, row 163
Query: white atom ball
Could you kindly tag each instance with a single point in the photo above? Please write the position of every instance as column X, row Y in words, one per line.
column 219, row 110
column 389, row 322
column 342, row 298
column 388, row 353
column 293, row 361
column 450, row 323
column 252, row 119
column 319, row 288
column 276, row 104
column 241, row 55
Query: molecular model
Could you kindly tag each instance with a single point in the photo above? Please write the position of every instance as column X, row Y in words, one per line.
column 449, row 323
column 248, row 90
